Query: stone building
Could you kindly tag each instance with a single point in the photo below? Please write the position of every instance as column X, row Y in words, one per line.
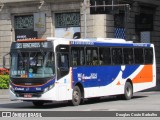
column 137, row 20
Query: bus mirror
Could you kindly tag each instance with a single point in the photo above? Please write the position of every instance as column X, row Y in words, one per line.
column 4, row 61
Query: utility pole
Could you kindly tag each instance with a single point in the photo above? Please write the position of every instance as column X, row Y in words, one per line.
column 1, row 6
column 85, row 17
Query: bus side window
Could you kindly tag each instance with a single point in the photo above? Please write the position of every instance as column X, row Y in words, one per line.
column 88, row 57
column 128, row 56
column 77, row 54
column 95, row 60
column 74, row 54
column 138, row 55
column 92, row 56
column 117, row 56
column 148, row 55
column 105, row 56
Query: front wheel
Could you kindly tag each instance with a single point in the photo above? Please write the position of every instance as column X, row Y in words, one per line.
column 128, row 91
column 76, row 96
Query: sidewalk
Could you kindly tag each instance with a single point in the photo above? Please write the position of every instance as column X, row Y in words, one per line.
column 4, row 93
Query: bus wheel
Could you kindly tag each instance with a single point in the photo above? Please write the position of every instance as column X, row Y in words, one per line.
column 76, row 96
column 128, row 91
column 38, row 103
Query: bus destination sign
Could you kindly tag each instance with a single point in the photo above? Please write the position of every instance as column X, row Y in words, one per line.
column 31, row 45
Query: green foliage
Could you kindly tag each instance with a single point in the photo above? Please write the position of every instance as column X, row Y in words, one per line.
column 4, row 81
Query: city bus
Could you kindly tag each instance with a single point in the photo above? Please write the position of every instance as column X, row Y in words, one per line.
column 59, row 69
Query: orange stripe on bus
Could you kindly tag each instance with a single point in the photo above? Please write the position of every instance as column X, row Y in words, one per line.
column 71, row 77
column 118, row 83
column 145, row 75
column 31, row 40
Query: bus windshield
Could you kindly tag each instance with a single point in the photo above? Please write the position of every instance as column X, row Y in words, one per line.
column 32, row 64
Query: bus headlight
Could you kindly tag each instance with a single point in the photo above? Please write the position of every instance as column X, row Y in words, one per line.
column 11, row 88
column 48, row 88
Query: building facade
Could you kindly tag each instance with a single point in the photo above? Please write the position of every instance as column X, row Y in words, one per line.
column 137, row 21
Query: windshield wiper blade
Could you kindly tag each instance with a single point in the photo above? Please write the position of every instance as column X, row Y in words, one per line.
column 42, row 52
column 19, row 52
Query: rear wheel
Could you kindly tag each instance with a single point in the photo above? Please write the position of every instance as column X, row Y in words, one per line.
column 128, row 91
column 76, row 96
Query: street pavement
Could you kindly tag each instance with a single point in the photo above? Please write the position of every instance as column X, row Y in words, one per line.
column 4, row 94
column 151, row 103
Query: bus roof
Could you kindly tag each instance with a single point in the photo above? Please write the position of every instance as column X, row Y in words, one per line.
column 85, row 40
column 112, row 40
column 99, row 42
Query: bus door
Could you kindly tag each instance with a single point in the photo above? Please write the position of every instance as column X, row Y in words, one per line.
column 63, row 65
column 62, row 71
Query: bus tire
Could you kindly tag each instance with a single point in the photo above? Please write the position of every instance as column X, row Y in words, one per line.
column 76, row 96
column 128, row 91
column 38, row 103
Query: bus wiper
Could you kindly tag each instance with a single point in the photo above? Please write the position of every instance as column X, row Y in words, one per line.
column 42, row 52
column 20, row 54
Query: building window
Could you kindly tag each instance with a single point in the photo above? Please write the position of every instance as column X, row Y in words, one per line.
column 67, row 20
column 119, row 24
column 144, row 20
column 24, row 22
column 24, row 27
column 67, row 25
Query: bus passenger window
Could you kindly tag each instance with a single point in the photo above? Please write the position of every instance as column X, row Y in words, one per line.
column 128, row 56
column 138, row 54
column 92, row 56
column 148, row 55
column 95, row 57
column 117, row 56
column 88, row 57
column 105, row 56
column 77, row 54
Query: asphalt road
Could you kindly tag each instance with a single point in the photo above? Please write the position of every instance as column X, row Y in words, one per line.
column 142, row 101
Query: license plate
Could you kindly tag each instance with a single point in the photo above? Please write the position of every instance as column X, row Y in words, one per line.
column 27, row 95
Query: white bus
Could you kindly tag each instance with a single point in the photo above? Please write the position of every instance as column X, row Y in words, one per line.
column 57, row 69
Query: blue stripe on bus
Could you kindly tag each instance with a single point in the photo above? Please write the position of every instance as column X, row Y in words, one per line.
column 28, row 89
column 99, row 75
column 90, row 43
